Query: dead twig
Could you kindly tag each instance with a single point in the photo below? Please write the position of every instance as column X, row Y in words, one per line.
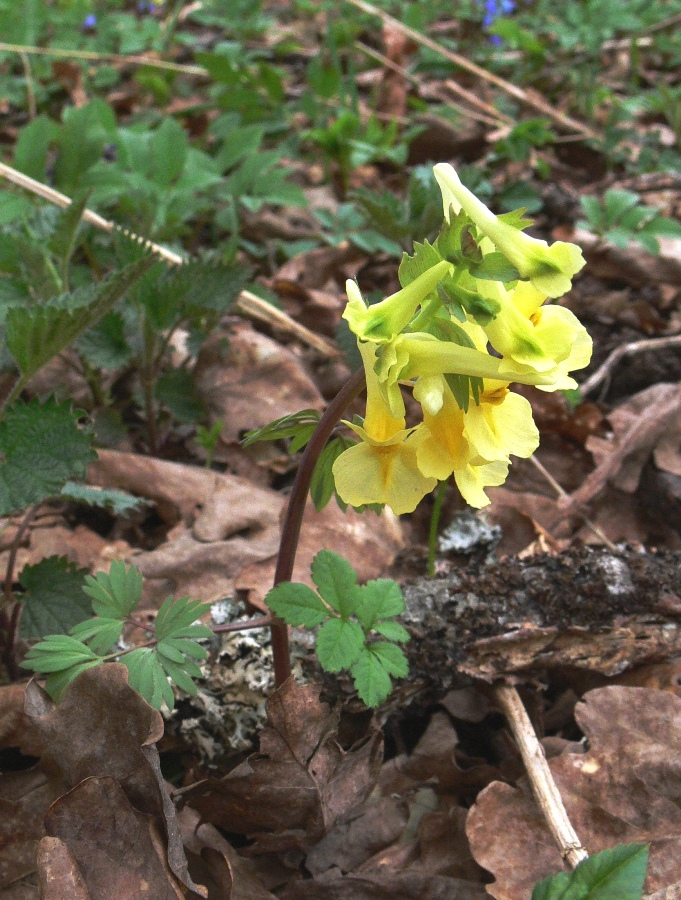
column 605, row 369
column 544, row 788
column 533, row 100
column 104, row 57
column 248, row 302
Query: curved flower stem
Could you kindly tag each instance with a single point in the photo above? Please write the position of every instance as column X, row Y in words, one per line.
column 290, row 532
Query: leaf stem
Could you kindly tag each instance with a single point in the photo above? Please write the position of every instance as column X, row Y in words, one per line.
column 290, row 532
column 440, row 490
column 12, row 616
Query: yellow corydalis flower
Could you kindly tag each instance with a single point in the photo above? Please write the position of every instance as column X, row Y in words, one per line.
column 550, row 269
column 383, row 467
column 385, row 320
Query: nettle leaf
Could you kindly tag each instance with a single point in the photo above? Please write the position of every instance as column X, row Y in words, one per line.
column 296, row 604
column 116, row 594
column 379, row 599
column 618, row 872
column 336, row 582
column 339, row 643
column 176, row 390
column 105, row 346
column 54, row 600
column 65, row 236
column 43, row 448
column 35, row 334
column 119, row 502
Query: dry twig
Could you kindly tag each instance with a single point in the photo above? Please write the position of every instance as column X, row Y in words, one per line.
column 605, row 369
column 544, row 788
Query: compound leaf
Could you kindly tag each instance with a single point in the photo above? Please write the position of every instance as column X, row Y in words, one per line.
column 58, row 652
column 54, row 600
column 99, row 633
column 296, row 604
column 43, row 448
column 175, row 618
column 371, row 679
column 336, row 582
column 339, row 643
column 379, row 599
column 114, row 594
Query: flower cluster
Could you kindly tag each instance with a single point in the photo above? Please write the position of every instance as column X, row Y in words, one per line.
column 471, row 318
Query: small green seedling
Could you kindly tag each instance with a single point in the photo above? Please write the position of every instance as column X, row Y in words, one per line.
column 620, row 218
column 352, row 619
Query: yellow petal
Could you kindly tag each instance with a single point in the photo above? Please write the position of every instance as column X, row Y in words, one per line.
column 472, row 481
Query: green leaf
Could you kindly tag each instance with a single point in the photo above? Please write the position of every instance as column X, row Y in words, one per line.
column 614, row 874
column 176, row 390
column 99, row 633
column 56, row 653
column 175, row 618
column 42, row 448
column 119, row 502
column 336, row 582
column 323, row 485
column 168, row 148
column 116, row 594
column 370, row 677
column 393, row 631
column 56, row 682
column 296, row 604
column 147, row 677
column 379, row 599
column 32, row 147
column 64, row 238
column 54, row 600
column 105, row 345
column 495, row 267
column 425, row 256
column 285, row 427
column 339, row 643
column 392, row 658
column 37, row 333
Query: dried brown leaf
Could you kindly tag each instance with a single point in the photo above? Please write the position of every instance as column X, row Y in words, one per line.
column 626, row 787
column 58, row 871
column 300, row 783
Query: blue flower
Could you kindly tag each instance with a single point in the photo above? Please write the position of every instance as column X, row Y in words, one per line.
column 493, row 10
column 89, row 22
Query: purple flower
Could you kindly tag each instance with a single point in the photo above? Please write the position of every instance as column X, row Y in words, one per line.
column 89, row 22
column 146, row 8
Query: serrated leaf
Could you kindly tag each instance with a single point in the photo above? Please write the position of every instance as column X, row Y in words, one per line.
column 393, row 631
column 379, row 599
column 371, row 679
column 336, row 582
column 176, row 390
column 615, row 873
column 425, row 256
column 392, row 658
column 63, row 240
column 54, row 600
column 339, row 643
column 99, row 633
column 119, row 502
column 43, row 448
column 296, row 604
column 37, row 333
column 56, row 653
column 105, row 345
column 115, row 594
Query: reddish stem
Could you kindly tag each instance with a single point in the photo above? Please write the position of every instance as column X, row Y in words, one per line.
column 290, row 532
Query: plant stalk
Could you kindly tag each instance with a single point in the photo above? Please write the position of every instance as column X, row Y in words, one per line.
column 293, row 521
column 440, row 491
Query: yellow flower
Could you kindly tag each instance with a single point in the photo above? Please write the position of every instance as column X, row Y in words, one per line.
column 548, row 340
column 500, row 425
column 550, row 269
column 383, row 467
column 446, row 451
column 385, row 320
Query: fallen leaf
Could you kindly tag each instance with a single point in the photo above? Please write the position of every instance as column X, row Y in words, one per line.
column 300, row 783
column 58, row 872
column 625, row 788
